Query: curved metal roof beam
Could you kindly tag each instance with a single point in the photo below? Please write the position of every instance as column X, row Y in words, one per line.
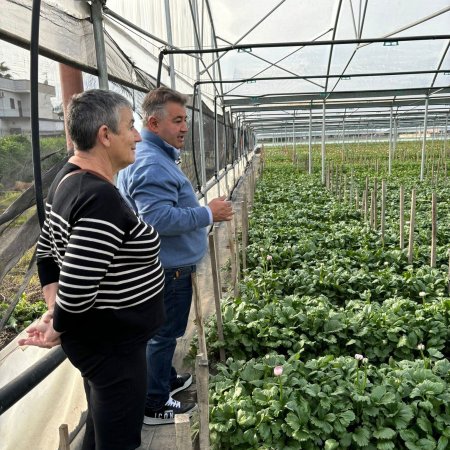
column 411, row 25
column 279, row 67
column 360, row 28
column 199, row 45
column 246, row 34
column 219, row 68
column 330, row 56
column 444, row 53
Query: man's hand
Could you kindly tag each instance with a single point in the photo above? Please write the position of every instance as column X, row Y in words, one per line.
column 221, row 209
column 42, row 333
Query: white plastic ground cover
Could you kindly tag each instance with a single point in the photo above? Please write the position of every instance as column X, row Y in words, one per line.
column 33, row 422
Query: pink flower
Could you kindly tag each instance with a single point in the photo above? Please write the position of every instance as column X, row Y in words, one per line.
column 269, row 257
column 278, row 371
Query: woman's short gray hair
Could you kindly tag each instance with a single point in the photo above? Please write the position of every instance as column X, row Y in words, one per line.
column 88, row 111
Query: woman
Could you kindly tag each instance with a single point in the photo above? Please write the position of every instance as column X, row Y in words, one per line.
column 100, row 271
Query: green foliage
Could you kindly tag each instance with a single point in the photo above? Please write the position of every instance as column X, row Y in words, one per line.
column 321, row 405
column 321, row 285
column 24, row 313
column 16, row 158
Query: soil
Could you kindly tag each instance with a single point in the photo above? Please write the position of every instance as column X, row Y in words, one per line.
column 6, row 336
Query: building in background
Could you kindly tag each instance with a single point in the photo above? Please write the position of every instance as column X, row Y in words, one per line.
column 15, row 109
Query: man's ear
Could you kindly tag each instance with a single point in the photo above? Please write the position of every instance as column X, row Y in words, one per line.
column 152, row 124
column 103, row 136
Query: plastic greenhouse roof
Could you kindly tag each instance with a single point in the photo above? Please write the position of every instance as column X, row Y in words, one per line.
column 355, row 57
column 366, row 84
column 356, row 68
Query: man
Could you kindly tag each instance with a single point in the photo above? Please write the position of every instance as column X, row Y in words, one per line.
column 163, row 196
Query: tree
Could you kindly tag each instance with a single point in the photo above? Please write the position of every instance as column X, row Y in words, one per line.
column 4, row 69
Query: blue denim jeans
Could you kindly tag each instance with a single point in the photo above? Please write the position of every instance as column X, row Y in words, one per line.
column 161, row 348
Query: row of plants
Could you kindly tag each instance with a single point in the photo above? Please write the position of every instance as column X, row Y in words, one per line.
column 319, row 289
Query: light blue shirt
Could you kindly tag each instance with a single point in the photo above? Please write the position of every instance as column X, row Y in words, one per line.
column 162, row 195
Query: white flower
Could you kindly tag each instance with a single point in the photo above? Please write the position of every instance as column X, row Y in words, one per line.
column 278, row 371
column 359, row 357
column 421, row 347
column 269, row 257
column 365, row 360
column 422, row 294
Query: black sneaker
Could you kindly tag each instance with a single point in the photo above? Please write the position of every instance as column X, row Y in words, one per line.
column 168, row 412
column 181, row 383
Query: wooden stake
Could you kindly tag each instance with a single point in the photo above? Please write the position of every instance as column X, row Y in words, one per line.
column 383, row 209
column 356, row 198
column 433, row 229
column 64, row 443
column 217, row 293
column 244, row 232
column 402, row 217
column 238, row 259
column 231, row 244
column 198, row 315
column 372, row 209
column 217, row 252
column 411, row 226
column 183, row 432
column 448, row 276
column 350, row 196
column 366, row 204
column 375, row 200
column 202, row 381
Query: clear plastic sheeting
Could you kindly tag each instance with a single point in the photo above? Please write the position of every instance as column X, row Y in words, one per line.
column 347, row 78
column 33, row 422
column 184, row 33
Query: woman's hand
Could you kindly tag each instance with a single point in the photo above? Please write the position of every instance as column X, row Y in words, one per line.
column 42, row 333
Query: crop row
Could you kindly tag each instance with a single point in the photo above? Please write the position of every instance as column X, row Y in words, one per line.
column 319, row 289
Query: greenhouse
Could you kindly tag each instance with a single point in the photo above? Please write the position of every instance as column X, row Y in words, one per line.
column 320, row 314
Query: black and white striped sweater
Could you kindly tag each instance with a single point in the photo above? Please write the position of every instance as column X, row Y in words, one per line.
column 104, row 258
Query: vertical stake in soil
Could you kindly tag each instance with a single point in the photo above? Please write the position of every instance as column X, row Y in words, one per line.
column 217, row 293
column 372, row 209
column 244, row 232
column 402, row 217
column 231, row 244
column 217, row 252
column 238, row 259
column 183, row 432
column 383, row 209
column 198, row 315
column 64, row 443
column 433, row 229
column 411, row 226
column 375, row 199
column 202, row 381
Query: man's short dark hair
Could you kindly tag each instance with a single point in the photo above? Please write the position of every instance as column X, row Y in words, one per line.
column 155, row 101
column 88, row 111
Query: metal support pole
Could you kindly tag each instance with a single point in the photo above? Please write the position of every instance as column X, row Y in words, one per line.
column 424, row 140
column 170, row 40
column 34, row 98
column 200, row 108
column 216, row 144
column 100, row 52
column 323, row 143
